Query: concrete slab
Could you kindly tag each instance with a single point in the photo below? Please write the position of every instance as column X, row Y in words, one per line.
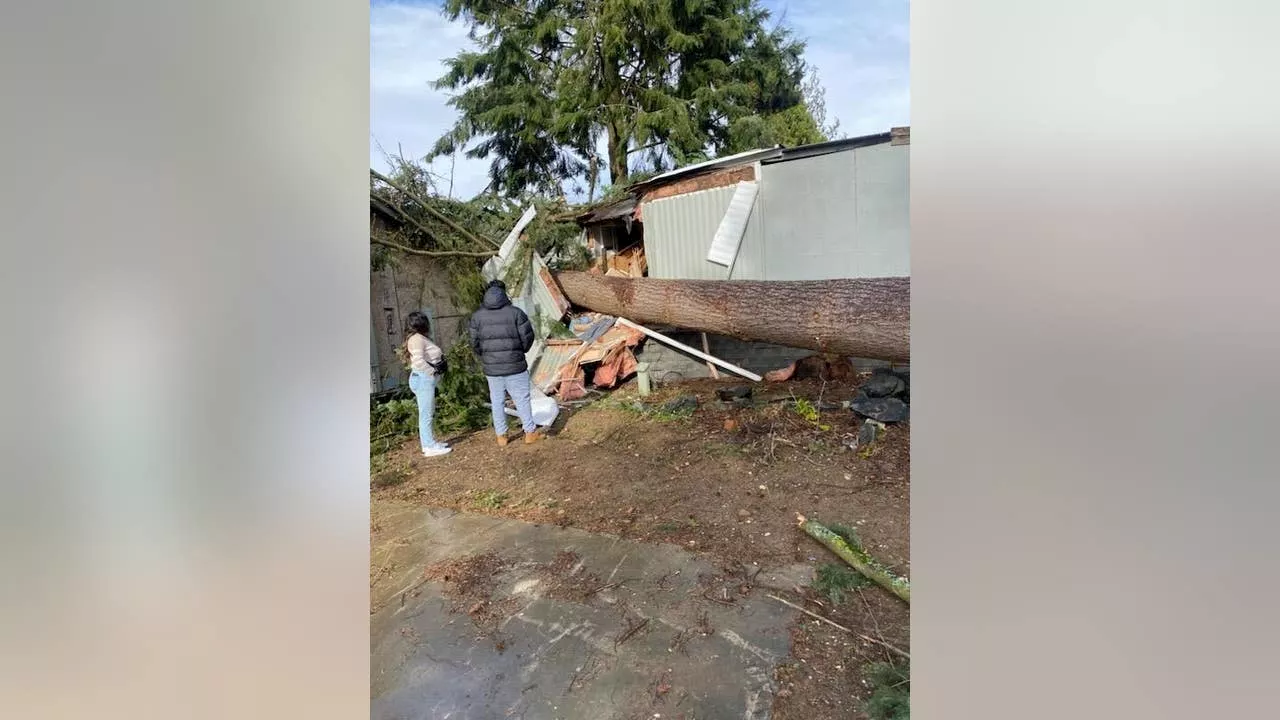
column 559, row 659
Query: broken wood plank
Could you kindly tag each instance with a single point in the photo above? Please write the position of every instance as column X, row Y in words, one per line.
column 692, row 351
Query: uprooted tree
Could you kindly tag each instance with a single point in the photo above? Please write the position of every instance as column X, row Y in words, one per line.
column 866, row 317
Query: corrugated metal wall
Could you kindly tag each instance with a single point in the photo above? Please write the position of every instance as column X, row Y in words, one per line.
column 844, row 214
column 678, row 232
column 840, row 215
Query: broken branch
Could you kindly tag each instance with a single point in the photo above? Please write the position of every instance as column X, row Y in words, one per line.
column 433, row 212
column 431, row 253
column 857, row 558
column 833, row 623
column 627, row 635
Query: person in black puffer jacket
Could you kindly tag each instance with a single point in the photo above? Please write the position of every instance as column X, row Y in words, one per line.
column 501, row 334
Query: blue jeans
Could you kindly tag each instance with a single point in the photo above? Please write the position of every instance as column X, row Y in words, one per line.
column 518, row 387
column 424, row 389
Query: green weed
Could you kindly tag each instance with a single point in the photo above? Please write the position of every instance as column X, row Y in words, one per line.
column 809, row 412
column 806, row 410
column 890, row 697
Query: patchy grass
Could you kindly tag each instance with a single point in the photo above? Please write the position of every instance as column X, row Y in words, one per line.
column 835, row 581
column 890, row 691
column 491, row 499
column 384, row 472
column 670, row 526
column 657, row 413
column 391, row 477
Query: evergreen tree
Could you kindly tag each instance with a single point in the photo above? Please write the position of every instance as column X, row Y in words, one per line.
column 551, row 80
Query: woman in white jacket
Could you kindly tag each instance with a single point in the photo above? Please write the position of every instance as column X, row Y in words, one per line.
column 424, row 357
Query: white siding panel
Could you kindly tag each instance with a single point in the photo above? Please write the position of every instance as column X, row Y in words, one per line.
column 724, row 247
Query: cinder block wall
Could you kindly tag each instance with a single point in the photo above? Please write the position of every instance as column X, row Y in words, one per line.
column 668, row 365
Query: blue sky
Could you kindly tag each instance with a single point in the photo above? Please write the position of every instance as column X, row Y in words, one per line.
column 860, row 52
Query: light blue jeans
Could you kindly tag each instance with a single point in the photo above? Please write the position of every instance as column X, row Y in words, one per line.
column 518, row 387
column 424, row 389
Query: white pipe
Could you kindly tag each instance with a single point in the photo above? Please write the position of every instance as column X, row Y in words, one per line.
column 692, row 351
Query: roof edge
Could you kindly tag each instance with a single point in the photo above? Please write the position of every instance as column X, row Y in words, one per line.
column 832, row 146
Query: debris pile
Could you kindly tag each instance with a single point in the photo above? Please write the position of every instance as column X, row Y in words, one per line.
column 629, row 263
column 601, row 350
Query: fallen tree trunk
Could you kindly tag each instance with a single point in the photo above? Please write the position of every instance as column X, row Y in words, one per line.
column 857, row 558
column 865, row 317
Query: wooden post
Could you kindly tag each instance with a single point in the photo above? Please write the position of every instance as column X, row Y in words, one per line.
column 707, row 349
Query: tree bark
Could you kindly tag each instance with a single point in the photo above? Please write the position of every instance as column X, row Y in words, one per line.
column 866, row 318
column 618, row 169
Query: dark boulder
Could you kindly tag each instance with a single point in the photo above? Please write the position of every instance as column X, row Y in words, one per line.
column 869, row 432
column 737, row 392
column 886, row 410
column 883, row 386
column 682, row 404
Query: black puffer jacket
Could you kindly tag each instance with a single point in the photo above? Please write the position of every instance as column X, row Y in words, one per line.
column 500, row 334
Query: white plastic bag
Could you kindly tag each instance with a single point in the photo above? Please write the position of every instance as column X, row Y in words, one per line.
column 545, row 410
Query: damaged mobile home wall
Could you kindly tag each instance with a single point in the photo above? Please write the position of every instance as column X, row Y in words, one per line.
column 838, row 209
column 404, row 284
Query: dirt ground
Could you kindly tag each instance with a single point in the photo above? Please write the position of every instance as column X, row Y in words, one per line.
column 727, row 481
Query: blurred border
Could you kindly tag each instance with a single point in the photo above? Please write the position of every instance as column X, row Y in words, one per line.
column 185, row 497
column 1093, row 222
column 185, row 507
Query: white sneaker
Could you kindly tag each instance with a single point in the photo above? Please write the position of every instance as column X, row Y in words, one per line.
column 437, row 451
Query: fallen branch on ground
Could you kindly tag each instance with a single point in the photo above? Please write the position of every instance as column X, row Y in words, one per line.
column 857, row 558
column 832, row 623
column 627, row 635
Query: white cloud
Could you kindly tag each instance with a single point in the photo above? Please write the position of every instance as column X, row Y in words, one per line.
column 408, row 44
column 861, row 56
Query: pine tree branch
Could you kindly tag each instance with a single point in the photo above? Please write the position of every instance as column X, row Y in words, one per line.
column 430, row 253
column 433, row 212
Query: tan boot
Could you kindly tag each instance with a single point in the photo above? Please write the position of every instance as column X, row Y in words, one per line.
column 533, row 437
column 502, row 441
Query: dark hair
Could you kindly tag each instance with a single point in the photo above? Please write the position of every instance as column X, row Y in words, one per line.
column 418, row 322
column 498, row 284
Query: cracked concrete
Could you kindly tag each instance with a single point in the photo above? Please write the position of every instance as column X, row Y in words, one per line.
column 559, row 659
